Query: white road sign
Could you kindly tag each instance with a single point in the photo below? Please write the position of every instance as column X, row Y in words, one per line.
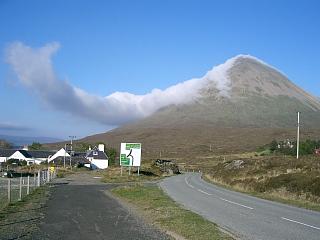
column 130, row 154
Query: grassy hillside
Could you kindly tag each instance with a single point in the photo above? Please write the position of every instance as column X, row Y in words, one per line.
column 192, row 143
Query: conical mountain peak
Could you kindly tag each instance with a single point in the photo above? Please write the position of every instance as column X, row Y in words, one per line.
column 243, row 98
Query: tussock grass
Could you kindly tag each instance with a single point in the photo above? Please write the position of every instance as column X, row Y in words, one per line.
column 281, row 178
column 158, row 208
column 63, row 172
column 113, row 174
column 19, row 220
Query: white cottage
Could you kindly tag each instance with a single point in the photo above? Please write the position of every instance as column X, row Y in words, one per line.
column 30, row 156
column 98, row 158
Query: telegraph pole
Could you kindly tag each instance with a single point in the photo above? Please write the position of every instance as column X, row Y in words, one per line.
column 64, row 158
column 298, row 135
column 71, row 138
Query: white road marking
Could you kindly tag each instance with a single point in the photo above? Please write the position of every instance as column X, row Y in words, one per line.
column 304, row 224
column 236, row 203
column 185, row 179
column 204, row 192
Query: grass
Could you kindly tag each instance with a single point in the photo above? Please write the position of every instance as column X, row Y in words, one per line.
column 275, row 196
column 37, row 194
column 18, row 220
column 63, row 172
column 113, row 175
column 279, row 178
column 158, row 208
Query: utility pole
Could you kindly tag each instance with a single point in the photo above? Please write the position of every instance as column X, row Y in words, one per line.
column 64, row 158
column 71, row 138
column 298, row 135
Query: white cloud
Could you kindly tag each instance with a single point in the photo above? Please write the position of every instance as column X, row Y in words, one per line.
column 34, row 70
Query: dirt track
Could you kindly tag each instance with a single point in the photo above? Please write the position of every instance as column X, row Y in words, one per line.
column 79, row 209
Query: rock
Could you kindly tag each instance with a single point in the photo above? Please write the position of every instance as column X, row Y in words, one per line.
column 235, row 164
column 167, row 166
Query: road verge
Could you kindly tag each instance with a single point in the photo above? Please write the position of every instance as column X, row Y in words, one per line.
column 19, row 220
column 274, row 196
column 156, row 207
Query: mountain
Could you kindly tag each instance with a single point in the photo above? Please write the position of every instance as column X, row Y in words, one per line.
column 22, row 140
column 244, row 103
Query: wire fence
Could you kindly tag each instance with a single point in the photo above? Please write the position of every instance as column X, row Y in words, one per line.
column 16, row 188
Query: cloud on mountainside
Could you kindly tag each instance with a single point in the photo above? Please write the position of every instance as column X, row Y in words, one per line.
column 34, row 69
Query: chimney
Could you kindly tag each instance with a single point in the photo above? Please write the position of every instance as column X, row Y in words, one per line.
column 101, row 147
column 89, row 148
column 25, row 147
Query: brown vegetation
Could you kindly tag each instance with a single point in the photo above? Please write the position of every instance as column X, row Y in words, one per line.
column 279, row 176
column 187, row 143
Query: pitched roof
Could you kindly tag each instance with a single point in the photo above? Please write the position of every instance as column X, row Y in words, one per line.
column 40, row 153
column 25, row 153
column 95, row 154
column 7, row 152
column 79, row 157
column 79, row 154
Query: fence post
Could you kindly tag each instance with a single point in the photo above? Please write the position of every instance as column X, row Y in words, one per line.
column 38, row 178
column 28, row 185
column 9, row 190
column 48, row 175
column 20, row 189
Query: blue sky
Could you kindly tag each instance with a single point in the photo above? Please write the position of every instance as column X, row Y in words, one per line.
column 104, row 47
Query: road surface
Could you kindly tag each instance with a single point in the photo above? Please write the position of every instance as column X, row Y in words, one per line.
column 80, row 209
column 245, row 216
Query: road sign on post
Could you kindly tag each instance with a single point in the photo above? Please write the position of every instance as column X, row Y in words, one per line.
column 130, row 155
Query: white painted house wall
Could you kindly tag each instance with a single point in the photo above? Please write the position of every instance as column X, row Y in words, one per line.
column 21, row 157
column 3, row 159
column 99, row 163
column 18, row 155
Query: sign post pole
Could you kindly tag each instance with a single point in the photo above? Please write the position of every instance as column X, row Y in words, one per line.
column 138, row 171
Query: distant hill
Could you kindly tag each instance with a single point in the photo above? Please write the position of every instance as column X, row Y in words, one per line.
column 23, row 140
column 258, row 104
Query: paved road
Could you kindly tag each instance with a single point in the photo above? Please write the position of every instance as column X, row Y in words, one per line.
column 245, row 216
column 79, row 209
